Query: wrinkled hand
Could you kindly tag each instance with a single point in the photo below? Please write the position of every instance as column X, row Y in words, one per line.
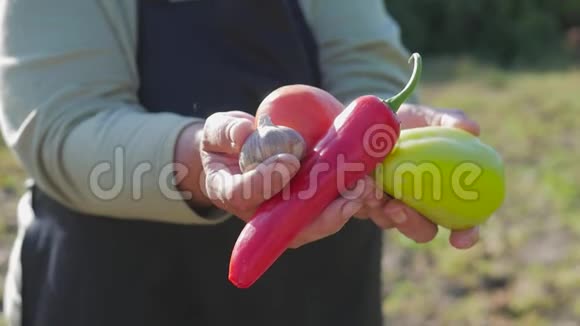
column 390, row 213
column 241, row 193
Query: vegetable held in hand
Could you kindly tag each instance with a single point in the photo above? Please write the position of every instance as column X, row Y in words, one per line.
column 289, row 120
column 446, row 174
column 360, row 137
column 307, row 109
column 270, row 140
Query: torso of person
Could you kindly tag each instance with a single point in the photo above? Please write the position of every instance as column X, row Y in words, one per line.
column 196, row 58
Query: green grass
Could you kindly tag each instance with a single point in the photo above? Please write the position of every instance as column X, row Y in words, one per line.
column 526, row 268
column 11, row 186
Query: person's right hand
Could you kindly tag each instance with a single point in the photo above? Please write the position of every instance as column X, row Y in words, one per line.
column 240, row 193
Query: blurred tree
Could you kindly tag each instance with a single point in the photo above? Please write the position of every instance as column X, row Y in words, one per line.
column 504, row 31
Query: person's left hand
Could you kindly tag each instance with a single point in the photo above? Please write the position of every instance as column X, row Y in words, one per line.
column 387, row 212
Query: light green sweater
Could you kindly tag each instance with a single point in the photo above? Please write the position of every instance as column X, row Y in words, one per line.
column 69, row 81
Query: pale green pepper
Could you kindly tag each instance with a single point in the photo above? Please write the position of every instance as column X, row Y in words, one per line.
column 446, row 174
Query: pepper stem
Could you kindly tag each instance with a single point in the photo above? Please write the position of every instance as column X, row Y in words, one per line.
column 396, row 101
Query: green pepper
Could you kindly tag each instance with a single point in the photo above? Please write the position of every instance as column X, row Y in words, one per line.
column 446, row 174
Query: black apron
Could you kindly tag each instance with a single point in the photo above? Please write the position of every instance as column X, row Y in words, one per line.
column 196, row 58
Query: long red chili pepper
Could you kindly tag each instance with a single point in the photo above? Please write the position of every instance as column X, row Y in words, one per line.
column 361, row 137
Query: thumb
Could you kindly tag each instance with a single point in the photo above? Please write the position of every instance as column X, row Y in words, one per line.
column 246, row 191
column 226, row 132
column 270, row 177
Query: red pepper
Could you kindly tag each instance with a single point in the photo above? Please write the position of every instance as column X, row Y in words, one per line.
column 360, row 139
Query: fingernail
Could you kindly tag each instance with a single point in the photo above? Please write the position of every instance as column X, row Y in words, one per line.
column 283, row 163
column 351, row 208
column 469, row 240
column 232, row 131
column 284, row 158
column 289, row 160
column 398, row 216
column 473, row 237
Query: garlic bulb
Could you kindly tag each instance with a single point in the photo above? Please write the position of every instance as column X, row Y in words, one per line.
column 269, row 140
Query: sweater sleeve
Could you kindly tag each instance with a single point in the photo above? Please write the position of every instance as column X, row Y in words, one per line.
column 69, row 111
column 360, row 48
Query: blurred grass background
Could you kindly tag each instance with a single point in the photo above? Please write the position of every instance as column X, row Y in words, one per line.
column 526, row 269
column 11, row 186
column 513, row 66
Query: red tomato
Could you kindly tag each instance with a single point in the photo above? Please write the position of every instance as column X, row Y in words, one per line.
column 308, row 110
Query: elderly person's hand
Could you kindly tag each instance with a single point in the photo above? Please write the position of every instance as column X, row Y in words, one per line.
column 241, row 193
column 390, row 213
